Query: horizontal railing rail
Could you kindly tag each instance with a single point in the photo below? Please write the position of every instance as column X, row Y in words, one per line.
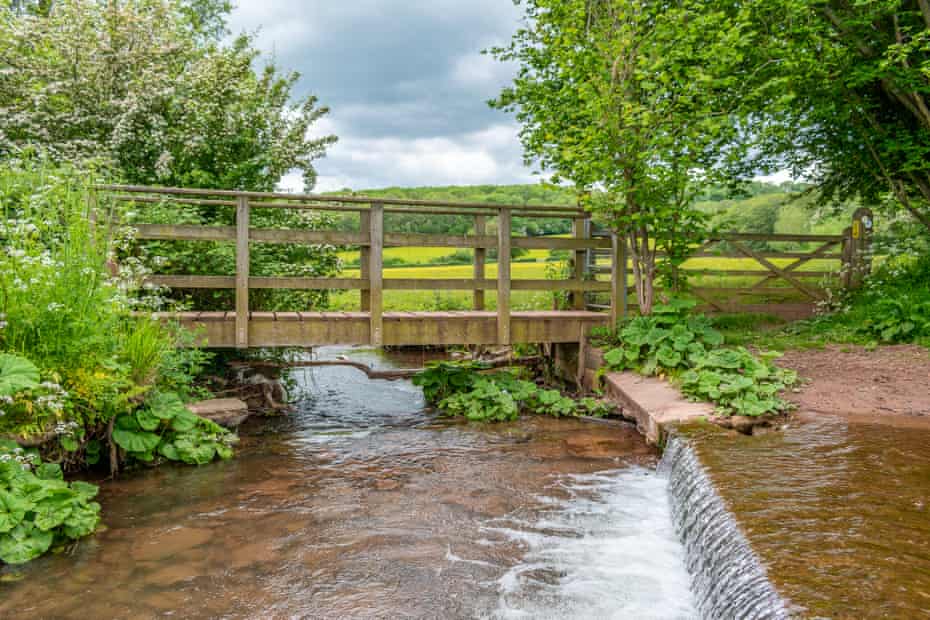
column 371, row 239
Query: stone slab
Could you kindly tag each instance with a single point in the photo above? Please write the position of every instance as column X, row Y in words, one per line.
column 228, row 412
column 654, row 404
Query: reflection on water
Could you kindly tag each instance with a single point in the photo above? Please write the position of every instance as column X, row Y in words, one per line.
column 363, row 505
column 839, row 511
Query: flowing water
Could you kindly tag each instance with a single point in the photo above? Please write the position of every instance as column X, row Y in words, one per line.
column 364, row 504
column 838, row 511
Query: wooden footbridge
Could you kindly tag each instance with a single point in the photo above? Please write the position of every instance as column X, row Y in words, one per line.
column 598, row 269
column 370, row 325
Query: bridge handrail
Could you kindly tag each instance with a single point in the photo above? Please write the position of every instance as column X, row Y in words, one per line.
column 371, row 240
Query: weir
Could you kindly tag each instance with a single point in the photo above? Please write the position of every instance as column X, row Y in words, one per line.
column 728, row 581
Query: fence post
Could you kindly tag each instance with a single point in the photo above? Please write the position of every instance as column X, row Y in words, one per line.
column 364, row 225
column 242, row 272
column 480, row 257
column 860, row 240
column 618, row 292
column 376, row 273
column 503, row 276
column 580, row 230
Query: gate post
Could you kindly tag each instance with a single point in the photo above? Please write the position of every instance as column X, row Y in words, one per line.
column 376, row 274
column 503, row 276
column 857, row 255
column 242, row 272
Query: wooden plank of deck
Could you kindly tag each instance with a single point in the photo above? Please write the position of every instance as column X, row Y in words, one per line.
column 278, row 329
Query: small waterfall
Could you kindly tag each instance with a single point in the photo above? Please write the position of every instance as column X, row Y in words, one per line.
column 727, row 579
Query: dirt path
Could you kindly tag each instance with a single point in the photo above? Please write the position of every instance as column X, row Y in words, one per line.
column 889, row 385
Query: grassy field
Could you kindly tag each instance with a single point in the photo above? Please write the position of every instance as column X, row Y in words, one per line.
column 541, row 300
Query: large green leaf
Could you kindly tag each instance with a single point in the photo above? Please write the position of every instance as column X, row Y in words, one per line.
column 25, row 542
column 17, row 374
column 135, row 441
column 166, row 405
column 13, row 509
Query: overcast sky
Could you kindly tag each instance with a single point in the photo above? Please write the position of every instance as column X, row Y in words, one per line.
column 406, row 83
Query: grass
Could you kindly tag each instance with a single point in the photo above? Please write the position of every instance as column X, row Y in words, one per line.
column 416, row 263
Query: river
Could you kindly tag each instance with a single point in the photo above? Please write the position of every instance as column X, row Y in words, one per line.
column 363, row 503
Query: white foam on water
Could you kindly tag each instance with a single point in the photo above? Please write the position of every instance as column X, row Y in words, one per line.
column 608, row 550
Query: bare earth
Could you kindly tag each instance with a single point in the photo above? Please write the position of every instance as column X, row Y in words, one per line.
column 889, row 385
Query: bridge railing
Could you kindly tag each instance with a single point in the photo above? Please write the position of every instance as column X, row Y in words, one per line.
column 372, row 239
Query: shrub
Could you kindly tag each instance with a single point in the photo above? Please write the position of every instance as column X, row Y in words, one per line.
column 38, row 509
column 687, row 348
column 458, row 389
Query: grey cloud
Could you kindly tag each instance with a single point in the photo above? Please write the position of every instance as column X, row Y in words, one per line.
column 402, row 76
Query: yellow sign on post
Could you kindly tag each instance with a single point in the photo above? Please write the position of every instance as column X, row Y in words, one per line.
column 856, row 229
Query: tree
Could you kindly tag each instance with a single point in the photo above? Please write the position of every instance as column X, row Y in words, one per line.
column 841, row 94
column 633, row 103
column 147, row 90
column 143, row 85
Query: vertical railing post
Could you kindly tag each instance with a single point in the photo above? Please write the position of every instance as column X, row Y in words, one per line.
column 364, row 227
column 480, row 258
column 618, row 292
column 580, row 230
column 503, row 276
column 242, row 272
column 376, row 274
column 860, row 251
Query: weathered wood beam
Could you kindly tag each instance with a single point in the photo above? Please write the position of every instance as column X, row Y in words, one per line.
column 376, row 274
column 242, row 272
column 503, row 276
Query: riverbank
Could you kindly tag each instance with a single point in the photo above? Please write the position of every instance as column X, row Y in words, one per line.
column 887, row 384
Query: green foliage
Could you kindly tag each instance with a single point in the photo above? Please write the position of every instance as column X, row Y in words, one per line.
column 90, row 358
column 166, row 428
column 846, row 104
column 630, row 99
column 38, row 509
column 666, row 341
column 738, row 382
column 898, row 320
column 458, row 389
column 16, row 375
column 688, row 349
column 442, row 379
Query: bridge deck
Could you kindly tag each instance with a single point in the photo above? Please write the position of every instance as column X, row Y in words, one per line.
column 279, row 329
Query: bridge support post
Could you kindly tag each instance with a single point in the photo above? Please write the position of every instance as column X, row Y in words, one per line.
column 242, row 272
column 364, row 252
column 503, row 276
column 480, row 257
column 580, row 230
column 376, row 274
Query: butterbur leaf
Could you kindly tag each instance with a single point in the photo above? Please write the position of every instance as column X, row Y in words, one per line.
column 82, row 521
column 25, row 542
column 184, row 422
column 668, row 357
column 165, row 405
column 84, row 490
column 13, row 510
column 135, row 441
column 51, row 513
column 147, row 420
column 69, row 443
column 17, row 374
column 49, row 471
